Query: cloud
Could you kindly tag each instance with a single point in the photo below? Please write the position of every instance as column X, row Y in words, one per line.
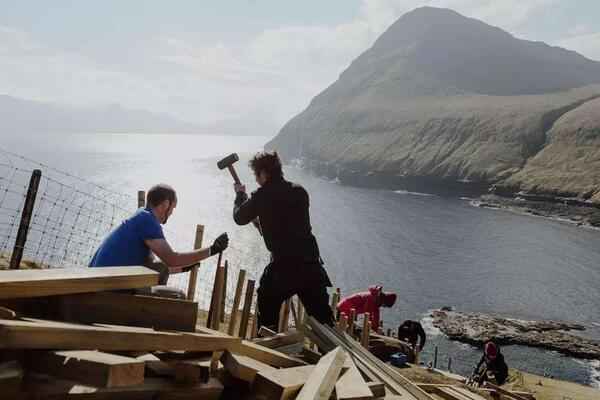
column 587, row 44
column 272, row 74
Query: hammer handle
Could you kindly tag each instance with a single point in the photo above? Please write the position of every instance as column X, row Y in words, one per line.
column 234, row 174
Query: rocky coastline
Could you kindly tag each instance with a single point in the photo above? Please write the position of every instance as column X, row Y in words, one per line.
column 476, row 329
column 574, row 211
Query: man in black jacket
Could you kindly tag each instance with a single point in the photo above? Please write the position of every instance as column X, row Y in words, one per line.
column 296, row 266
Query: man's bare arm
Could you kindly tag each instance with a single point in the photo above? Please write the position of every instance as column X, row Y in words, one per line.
column 174, row 259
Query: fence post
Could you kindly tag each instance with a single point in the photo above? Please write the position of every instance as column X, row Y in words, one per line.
column 191, row 293
column 141, row 199
column 435, row 356
column 17, row 254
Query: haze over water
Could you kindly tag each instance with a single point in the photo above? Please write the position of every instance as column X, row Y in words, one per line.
column 432, row 251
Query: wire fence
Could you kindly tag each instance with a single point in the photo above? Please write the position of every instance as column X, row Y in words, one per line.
column 70, row 219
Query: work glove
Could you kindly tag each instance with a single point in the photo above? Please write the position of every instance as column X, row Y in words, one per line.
column 220, row 244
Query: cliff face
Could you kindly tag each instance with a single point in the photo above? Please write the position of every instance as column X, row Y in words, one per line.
column 441, row 98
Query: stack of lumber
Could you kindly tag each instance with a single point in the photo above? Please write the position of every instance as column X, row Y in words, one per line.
column 82, row 333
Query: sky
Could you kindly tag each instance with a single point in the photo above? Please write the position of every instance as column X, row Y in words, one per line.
column 250, row 60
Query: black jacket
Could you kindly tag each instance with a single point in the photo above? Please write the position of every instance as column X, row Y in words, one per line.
column 411, row 331
column 282, row 208
column 497, row 366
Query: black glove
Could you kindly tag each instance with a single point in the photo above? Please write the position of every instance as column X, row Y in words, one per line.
column 220, row 244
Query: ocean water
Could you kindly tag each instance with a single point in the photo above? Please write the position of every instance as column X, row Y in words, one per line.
column 432, row 251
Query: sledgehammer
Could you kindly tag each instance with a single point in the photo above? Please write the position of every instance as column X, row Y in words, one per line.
column 228, row 162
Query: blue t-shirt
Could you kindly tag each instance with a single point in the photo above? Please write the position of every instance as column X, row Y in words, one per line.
column 125, row 245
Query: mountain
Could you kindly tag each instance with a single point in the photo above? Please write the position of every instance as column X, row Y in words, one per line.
column 445, row 101
column 26, row 116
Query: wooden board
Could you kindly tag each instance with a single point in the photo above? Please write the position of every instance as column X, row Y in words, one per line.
column 89, row 367
column 7, row 313
column 321, row 381
column 127, row 309
column 11, row 376
column 47, row 282
column 351, row 385
column 281, row 384
column 64, row 336
column 192, row 371
column 281, row 339
column 377, row 388
column 44, row 386
column 243, row 367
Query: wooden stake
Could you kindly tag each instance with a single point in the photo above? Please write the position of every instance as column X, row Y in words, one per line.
column 26, row 213
column 211, row 308
column 236, row 302
column 295, row 314
column 224, row 294
column 194, row 271
column 343, row 323
column 351, row 321
column 301, row 312
column 247, row 308
column 254, row 332
column 215, row 319
column 284, row 316
column 366, row 331
column 141, row 199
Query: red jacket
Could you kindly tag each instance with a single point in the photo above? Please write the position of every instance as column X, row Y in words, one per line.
column 364, row 302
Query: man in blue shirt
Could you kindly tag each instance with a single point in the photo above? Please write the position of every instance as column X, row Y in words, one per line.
column 134, row 241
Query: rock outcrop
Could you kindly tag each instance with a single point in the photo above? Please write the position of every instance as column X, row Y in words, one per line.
column 476, row 329
column 444, row 100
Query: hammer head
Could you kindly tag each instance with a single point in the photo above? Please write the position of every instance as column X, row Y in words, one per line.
column 227, row 161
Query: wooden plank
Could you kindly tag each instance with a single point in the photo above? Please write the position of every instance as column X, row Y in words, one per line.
column 504, row 392
column 447, row 393
column 374, row 368
column 127, row 309
column 33, row 334
column 467, row 393
column 48, row 282
column 247, row 307
column 11, row 376
column 89, row 367
column 267, row 356
column 191, row 293
column 265, row 332
column 284, row 316
column 282, row 384
column 254, row 330
column 321, row 381
column 7, row 313
column 243, row 367
column 192, row 371
column 236, row 302
column 351, row 385
column 310, row 355
column 44, row 386
column 263, row 354
column 155, row 366
column 281, row 339
column 377, row 388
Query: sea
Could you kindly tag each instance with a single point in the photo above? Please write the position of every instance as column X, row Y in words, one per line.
column 432, row 251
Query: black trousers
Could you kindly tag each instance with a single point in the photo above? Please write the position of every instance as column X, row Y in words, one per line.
column 284, row 278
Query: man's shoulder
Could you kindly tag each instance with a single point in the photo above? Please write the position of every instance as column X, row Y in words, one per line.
column 143, row 215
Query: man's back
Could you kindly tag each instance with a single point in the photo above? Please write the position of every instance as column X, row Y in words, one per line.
column 125, row 245
column 283, row 209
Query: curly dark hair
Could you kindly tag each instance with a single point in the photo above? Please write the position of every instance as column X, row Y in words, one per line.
column 268, row 162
